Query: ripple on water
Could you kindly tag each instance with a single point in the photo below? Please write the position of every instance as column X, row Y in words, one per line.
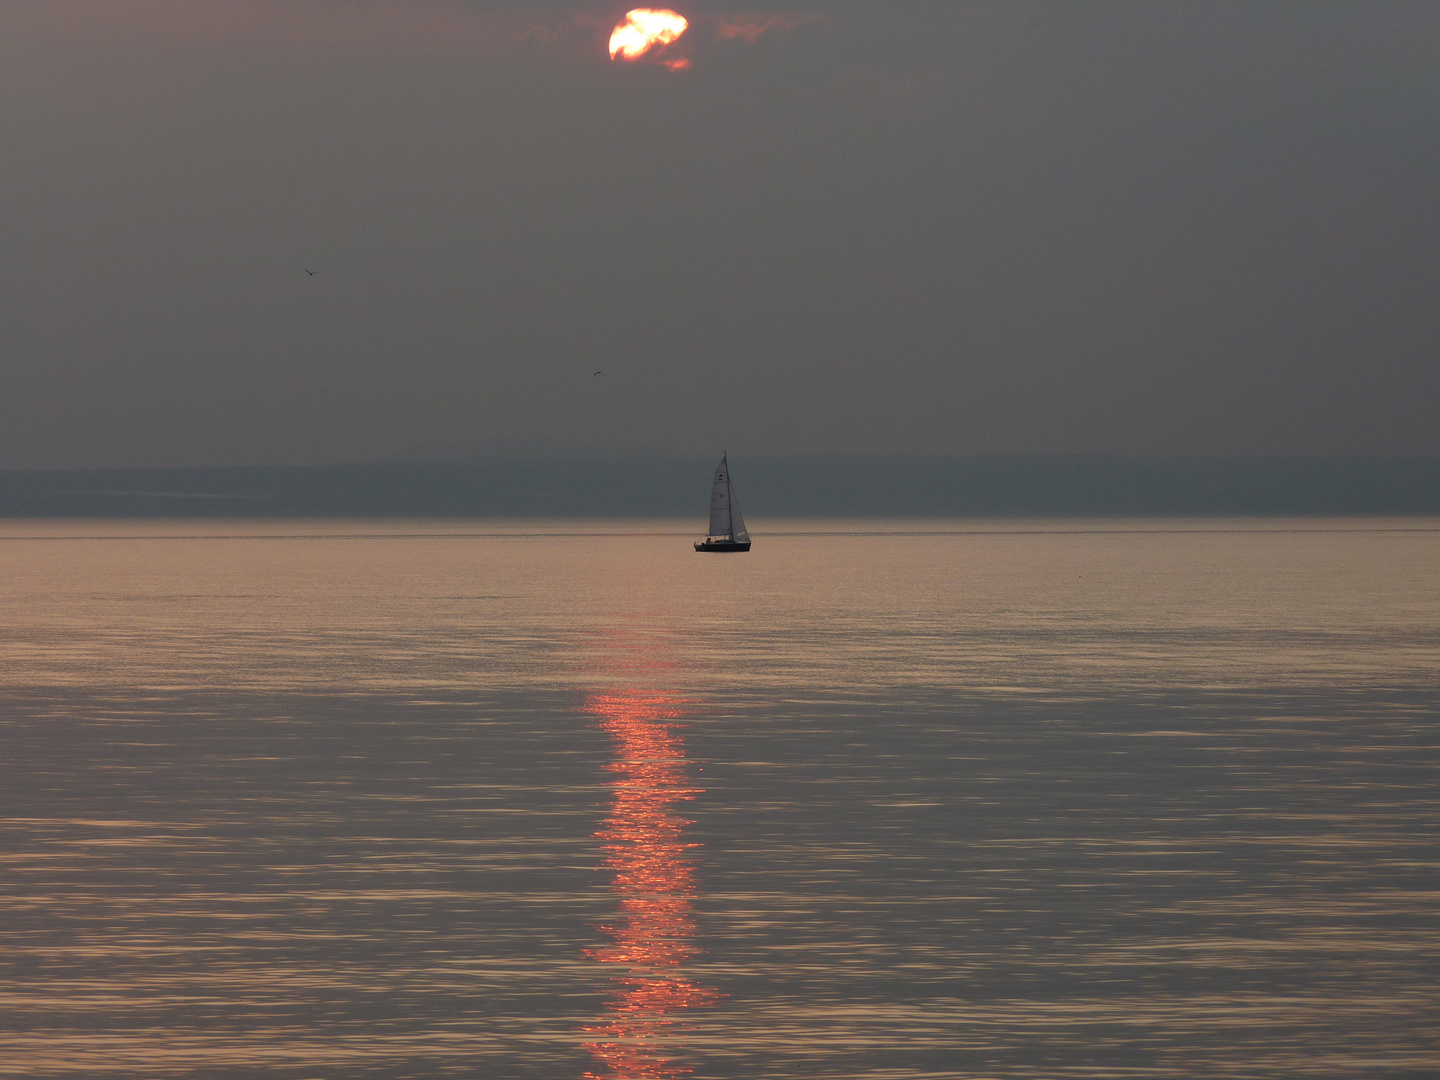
column 913, row 805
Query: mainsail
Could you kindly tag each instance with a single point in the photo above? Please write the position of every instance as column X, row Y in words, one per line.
column 725, row 519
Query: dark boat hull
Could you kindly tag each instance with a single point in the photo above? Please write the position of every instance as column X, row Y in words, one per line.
column 722, row 545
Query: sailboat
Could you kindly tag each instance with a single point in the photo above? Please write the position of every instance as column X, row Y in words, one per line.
column 727, row 527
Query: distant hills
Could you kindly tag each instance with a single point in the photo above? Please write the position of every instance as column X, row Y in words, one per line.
column 812, row 486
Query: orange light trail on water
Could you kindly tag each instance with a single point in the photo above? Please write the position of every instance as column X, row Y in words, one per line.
column 655, row 883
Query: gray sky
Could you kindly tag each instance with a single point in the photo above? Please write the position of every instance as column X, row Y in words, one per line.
column 909, row 226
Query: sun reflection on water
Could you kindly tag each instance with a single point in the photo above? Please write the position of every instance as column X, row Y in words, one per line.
column 654, row 883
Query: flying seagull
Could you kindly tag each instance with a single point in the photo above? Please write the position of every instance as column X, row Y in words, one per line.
column 312, row 273
column 597, row 373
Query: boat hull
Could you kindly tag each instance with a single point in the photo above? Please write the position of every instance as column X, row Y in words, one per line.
column 722, row 545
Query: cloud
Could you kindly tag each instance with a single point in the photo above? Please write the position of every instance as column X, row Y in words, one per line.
column 751, row 28
column 413, row 26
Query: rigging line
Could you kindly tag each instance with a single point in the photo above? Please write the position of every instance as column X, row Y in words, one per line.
column 729, row 495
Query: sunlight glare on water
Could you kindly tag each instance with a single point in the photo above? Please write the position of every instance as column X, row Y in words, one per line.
column 878, row 799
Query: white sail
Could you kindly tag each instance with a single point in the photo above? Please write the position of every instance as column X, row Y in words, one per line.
column 737, row 523
column 722, row 503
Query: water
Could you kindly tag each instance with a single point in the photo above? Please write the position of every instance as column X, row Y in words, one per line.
column 878, row 800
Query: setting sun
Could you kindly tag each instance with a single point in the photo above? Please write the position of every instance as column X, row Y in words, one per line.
column 648, row 34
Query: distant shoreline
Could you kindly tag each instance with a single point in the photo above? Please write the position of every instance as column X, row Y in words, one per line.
column 796, row 486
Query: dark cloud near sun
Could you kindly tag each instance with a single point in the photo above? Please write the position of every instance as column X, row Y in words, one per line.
column 373, row 25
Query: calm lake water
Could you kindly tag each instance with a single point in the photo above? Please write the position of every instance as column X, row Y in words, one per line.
column 878, row 800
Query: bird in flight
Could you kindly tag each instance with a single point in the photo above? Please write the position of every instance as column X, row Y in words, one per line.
column 312, row 273
column 597, row 373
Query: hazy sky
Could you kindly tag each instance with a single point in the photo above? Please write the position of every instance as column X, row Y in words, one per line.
column 905, row 226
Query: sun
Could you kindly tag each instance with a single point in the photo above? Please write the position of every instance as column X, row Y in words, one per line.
column 649, row 35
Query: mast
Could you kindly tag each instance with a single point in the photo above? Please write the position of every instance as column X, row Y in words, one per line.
column 729, row 497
